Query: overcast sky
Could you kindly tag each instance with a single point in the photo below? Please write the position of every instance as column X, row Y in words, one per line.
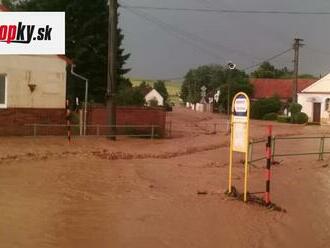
column 245, row 39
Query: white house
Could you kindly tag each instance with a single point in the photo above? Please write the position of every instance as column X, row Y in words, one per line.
column 154, row 95
column 315, row 100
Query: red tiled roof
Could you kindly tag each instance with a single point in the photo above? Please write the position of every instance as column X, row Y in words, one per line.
column 268, row 87
column 66, row 59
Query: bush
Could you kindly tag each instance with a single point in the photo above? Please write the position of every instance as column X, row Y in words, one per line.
column 161, row 88
column 300, row 118
column 153, row 102
column 264, row 106
column 168, row 107
column 74, row 118
column 270, row 117
column 283, row 118
column 130, row 97
column 295, row 108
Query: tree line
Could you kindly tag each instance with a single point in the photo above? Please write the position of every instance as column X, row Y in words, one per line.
column 217, row 77
column 86, row 43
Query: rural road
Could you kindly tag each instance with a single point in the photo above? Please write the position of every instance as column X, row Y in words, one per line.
column 143, row 193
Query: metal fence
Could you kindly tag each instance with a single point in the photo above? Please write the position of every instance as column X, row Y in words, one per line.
column 152, row 131
column 206, row 128
column 299, row 146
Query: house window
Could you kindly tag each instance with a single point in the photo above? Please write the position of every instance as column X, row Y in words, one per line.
column 327, row 104
column 3, row 91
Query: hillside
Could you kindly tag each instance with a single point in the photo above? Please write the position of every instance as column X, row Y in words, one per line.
column 173, row 87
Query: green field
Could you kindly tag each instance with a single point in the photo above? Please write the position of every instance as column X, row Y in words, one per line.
column 173, row 87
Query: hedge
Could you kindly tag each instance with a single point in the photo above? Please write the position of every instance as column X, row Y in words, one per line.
column 270, row 117
column 283, row 118
column 265, row 106
column 300, row 118
column 295, row 108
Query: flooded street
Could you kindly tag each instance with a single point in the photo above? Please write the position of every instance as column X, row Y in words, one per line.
column 56, row 195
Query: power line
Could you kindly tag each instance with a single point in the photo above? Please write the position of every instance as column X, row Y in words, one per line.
column 197, row 38
column 267, row 60
column 244, row 69
column 229, row 11
column 188, row 37
column 321, row 52
column 249, row 67
column 173, row 31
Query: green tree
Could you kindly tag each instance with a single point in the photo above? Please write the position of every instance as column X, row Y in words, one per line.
column 214, row 77
column 267, row 70
column 130, row 97
column 210, row 76
column 262, row 107
column 86, row 42
column 235, row 81
column 144, row 87
column 161, row 88
column 307, row 76
column 153, row 102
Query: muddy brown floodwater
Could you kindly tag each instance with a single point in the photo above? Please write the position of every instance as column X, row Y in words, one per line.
column 143, row 193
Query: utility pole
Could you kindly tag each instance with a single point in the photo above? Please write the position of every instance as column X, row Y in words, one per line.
column 112, row 67
column 296, row 47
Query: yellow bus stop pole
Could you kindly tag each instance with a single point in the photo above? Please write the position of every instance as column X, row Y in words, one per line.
column 231, row 148
column 230, row 157
column 246, row 171
column 245, row 177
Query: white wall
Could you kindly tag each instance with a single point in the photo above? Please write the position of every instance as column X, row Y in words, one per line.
column 48, row 73
column 155, row 95
column 307, row 100
column 200, row 107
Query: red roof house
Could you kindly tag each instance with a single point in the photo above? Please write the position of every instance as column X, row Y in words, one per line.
column 268, row 87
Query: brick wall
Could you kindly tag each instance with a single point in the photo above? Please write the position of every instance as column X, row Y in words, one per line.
column 129, row 116
column 13, row 121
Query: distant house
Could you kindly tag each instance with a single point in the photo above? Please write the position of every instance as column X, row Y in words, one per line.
column 268, row 87
column 154, row 95
column 315, row 100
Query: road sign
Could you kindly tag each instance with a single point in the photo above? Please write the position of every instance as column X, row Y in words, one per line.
column 239, row 141
column 240, row 121
column 203, row 94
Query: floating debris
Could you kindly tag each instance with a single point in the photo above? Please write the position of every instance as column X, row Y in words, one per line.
column 253, row 199
column 200, row 192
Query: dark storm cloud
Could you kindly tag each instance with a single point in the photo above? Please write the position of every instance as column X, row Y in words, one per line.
column 243, row 38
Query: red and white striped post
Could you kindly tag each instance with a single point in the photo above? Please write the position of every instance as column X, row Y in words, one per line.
column 268, row 167
column 68, row 123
